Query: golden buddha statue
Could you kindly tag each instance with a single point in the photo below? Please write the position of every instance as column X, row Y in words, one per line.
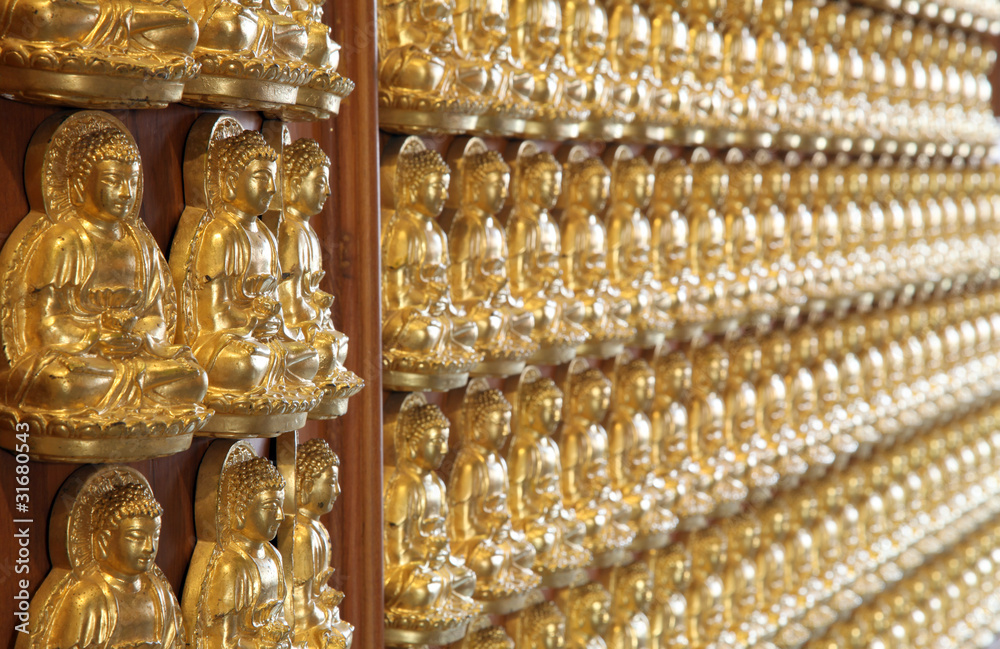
column 304, row 178
column 706, row 593
column 584, row 257
column 633, row 594
column 426, row 82
column 631, row 467
column 535, row 471
column 629, row 35
column 629, row 243
column 478, row 270
column 428, row 590
column 669, row 243
column 227, row 268
column 745, row 436
column 586, row 485
column 744, row 602
column 481, row 35
column 671, row 581
column 542, row 626
column 741, row 66
column 535, row 29
column 251, row 56
column 717, row 292
column 772, row 49
column 711, row 95
column 807, row 567
column 743, row 245
column 534, row 250
column 105, row 589
column 425, row 342
column 775, row 409
column 479, row 521
column 709, row 427
column 97, row 54
column 236, row 592
column 588, row 616
column 687, row 478
column 324, row 88
column 316, row 622
column 90, row 371
column 486, row 637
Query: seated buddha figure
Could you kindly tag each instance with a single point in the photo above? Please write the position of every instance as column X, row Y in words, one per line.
column 588, row 616
column 631, row 466
column 321, row 50
column 743, row 245
column 479, row 522
column 671, row 581
column 707, row 590
column 478, row 271
column 90, row 320
column 668, row 250
column 306, row 186
column 749, row 443
column 240, row 600
column 584, row 40
column 143, row 38
column 629, row 240
column 114, row 595
column 629, row 31
column 543, row 626
column 633, row 595
column 226, row 263
column 586, row 485
column 584, row 259
column 424, row 341
column 316, row 622
column 534, row 247
column 428, row 590
column 535, row 467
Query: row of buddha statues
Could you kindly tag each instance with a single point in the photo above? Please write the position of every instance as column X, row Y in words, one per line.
column 112, row 353
column 259, row 575
column 596, row 253
column 274, row 56
column 978, row 15
column 799, row 74
column 764, row 440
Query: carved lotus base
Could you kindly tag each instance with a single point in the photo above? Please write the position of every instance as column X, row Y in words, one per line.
column 601, row 349
column 565, row 578
column 606, row 129
column 428, row 113
column 652, row 541
column 648, row 339
column 612, row 558
column 342, row 386
column 408, row 381
column 497, row 368
column 114, row 437
column 500, row 124
column 235, row 83
column 551, row 130
column 553, row 355
column 507, row 604
column 395, row 636
column 319, row 99
column 87, row 90
column 279, row 410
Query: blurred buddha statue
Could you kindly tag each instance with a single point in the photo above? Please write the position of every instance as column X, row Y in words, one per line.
column 633, row 594
column 629, row 242
column 479, row 521
column 535, row 468
column 584, row 41
column 588, row 616
column 630, row 35
column 89, row 322
column 425, row 342
column 631, row 465
column 226, row 264
column 478, row 270
column 316, row 619
column 584, row 257
column 106, row 589
column 586, row 485
column 542, row 626
column 706, row 594
column 671, row 582
column 306, row 186
column 534, row 251
column 428, row 590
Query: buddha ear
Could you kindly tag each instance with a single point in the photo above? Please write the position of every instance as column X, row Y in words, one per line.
column 101, row 544
column 229, row 185
column 78, row 191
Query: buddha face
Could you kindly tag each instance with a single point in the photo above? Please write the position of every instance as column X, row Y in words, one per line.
column 437, row 16
column 641, row 390
column 636, row 189
column 494, row 428
column 430, row 447
column 263, row 515
column 251, row 189
column 676, row 188
column 308, row 193
column 711, row 244
column 548, row 414
column 430, row 194
column 590, row 42
column 543, row 187
column 130, row 548
column 640, row 594
column 552, row 636
column 678, row 380
column 109, row 192
column 491, row 194
column 677, row 245
column 598, row 618
column 490, row 26
column 324, row 491
column 593, row 191
column 544, row 39
column 595, row 401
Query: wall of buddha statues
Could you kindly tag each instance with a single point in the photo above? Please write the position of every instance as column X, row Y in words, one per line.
column 499, row 324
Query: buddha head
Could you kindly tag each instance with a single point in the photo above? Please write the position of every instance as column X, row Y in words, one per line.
column 673, row 569
column 535, row 26
column 539, row 180
column 306, row 171
column 104, row 175
column 708, row 550
column 126, row 530
column 254, row 493
column 246, row 168
column 747, row 358
column 634, row 589
column 492, row 637
column 487, row 414
column 590, row 394
column 542, row 405
column 422, row 182
column 589, row 612
column 589, row 184
column 317, row 470
column 713, row 368
column 673, row 375
column 544, row 627
column 637, row 385
column 422, row 436
column 584, row 33
column 745, row 534
column 633, row 182
column 673, row 184
column 485, row 178
column 630, row 32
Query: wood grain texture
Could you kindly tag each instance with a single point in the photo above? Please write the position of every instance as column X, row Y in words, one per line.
column 349, row 230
